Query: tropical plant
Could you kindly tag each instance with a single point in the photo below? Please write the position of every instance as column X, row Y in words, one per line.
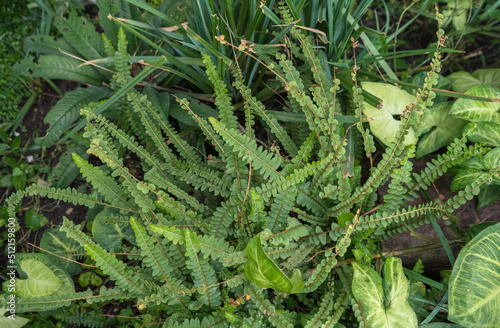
column 232, row 233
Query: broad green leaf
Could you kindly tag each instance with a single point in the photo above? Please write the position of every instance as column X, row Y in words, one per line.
column 81, row 34
column 384, row 122
column 439, row 129
column 41, row 281
column 34, row 220
column 67, row 111
column 474, row 287
column 57, row 242
column 463, row 81
column 110, row 228
column 385, row 302
column 486, row 132
column 47, row 45
column 477, row 168
column 6, row 322
column 457, row 10
column 263, row 272
column 491, row 161
column 478, row 111
column 488, row 195
column 89, row 277
column 465, row 177
column 57, row 67
column 18, row 178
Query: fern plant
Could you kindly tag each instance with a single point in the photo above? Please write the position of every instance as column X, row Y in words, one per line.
column 235, row 235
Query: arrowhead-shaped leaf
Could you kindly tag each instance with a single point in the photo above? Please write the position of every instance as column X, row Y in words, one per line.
column 439, row 129
column 394, row 101
column 385, row 302
column 263, row 272
column 41, row 280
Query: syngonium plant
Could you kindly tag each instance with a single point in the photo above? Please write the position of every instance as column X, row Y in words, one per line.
column 240, row 234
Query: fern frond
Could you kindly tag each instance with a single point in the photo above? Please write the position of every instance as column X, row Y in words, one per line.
column 154, row 176
column 457, row 153
column 263, row 304
column 136, row 189
column 298, row 256
column 122, row 58
column 254, row 105
column 320, row 273
column 222, row 101
column 117, row 270
column 280, row 208
column 234, row 259
column 266, row 163
column 109, row 49
column 201, row 177
column 176, row 209
column 308, row 197
column 396, row 193
column 303, row 215
column 223, row 216
column 106, row 295
column 151, row 255
column 338, row 310
column 295, row 87
column 106, row 186
column 206, row 322
column 99, row 132
column 303, row 154
column 69, row 195
column 151, row 129
column 202, row 272
column 45, row 303
column 171, row 233
column 140, row 103
column 294, row 231
column 90, row 319
column 213, row 247
column 324, row 310
column 383, row 219
column 292, row 179
column 205, row 127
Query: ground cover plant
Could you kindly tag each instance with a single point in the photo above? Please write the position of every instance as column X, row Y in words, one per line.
column 217, row 228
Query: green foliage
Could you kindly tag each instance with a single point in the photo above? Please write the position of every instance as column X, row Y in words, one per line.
column 385, row 301
column 12, row 31
column 198, row 233
column 262, row 271
column 474, row 293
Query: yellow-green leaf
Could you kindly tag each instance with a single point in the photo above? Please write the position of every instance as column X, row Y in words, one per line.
column 474, row 287
column 263, row 272
column 385, row 302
